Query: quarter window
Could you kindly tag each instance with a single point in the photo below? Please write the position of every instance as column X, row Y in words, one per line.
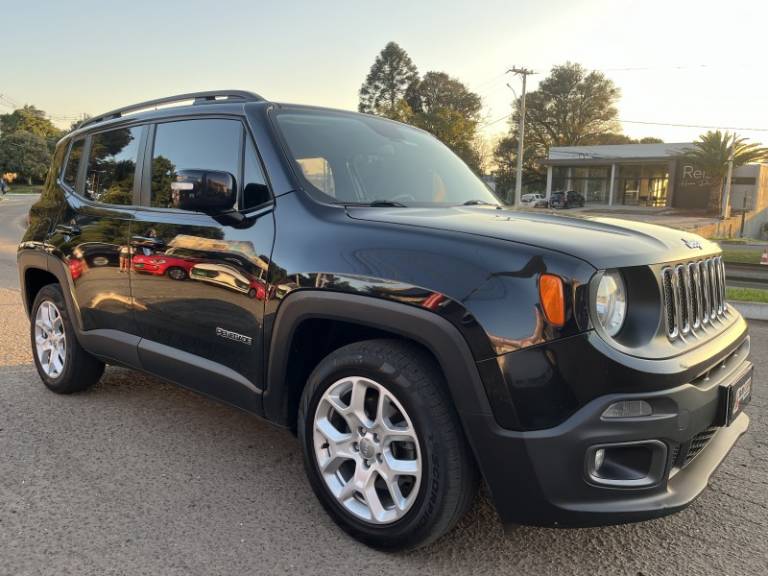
column 73, row 162
column 209, row 144
column 319, row 173
column 112, row 166
column 255, row 191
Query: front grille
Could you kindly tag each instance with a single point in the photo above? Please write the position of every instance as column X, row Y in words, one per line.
column 694, row 296
column 683, row 454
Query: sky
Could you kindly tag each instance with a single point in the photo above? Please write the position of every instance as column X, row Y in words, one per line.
column 676, row 62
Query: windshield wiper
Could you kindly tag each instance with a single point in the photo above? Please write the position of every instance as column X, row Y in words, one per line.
column 477, row 203
column 385, row 204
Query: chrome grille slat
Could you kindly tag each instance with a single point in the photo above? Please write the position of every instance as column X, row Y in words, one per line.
column 712, row 290
column 684, row 298
column 693, row 296
column 704, row 274
column 693, row 274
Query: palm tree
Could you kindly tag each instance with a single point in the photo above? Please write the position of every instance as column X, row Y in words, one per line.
column 711, row 153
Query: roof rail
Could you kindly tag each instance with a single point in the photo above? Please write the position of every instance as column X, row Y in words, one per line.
column 196, row 97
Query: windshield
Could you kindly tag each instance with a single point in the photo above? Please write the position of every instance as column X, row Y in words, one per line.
column 351, row 159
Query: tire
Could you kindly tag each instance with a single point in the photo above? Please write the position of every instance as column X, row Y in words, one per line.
column 73, row 369
column 431, row 501
column 176, row 273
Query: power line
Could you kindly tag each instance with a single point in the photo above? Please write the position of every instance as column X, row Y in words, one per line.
column 484, row 124
column 704, row 126
column 649, row 123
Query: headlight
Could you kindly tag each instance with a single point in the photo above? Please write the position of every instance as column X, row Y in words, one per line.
column 611, row 302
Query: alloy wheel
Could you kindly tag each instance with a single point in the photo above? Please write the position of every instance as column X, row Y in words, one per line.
column 367, row 450
column 50, row 339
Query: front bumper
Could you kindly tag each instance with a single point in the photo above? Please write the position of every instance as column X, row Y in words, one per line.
column 541, row 477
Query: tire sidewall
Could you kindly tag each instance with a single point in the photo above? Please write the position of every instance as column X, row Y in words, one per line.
column 52, row 293
column 416, row 523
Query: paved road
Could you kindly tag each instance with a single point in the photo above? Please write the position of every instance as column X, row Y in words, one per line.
column 139, row 477
column 13, row 221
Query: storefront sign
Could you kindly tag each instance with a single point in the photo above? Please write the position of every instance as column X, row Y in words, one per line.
column 693, row 186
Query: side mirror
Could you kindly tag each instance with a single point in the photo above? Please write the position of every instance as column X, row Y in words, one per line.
column 208, row 191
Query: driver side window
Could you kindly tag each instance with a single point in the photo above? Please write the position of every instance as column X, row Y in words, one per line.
column 205, row 144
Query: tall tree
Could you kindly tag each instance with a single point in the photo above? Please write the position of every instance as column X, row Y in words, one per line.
column 712, row 151
column 383, row 91
column 32, row 120
column 572, row 106
column 445, row 107
column 26, row 154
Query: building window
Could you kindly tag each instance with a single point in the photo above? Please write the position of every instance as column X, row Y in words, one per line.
column 643, row 185
column 591, row 182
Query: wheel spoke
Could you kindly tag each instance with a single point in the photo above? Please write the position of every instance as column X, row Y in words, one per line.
column 357, row 403
column 399, row 467
column 330, row 432
column 396, row 494
column 374, row 502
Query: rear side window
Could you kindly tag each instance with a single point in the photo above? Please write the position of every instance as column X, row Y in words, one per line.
column 112, row 166
column 73, row 162
column 205, row 144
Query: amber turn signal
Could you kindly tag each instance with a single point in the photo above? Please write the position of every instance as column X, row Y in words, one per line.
column 552, row 296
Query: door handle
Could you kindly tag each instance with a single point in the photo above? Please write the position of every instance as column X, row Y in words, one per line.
column 68, row 229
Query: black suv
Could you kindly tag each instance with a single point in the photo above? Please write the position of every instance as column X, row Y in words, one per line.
column 570, row 199
column 349, row 278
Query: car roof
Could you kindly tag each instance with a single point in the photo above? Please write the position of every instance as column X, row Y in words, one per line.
column 197, row 103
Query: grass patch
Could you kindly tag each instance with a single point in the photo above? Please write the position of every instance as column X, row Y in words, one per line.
column 747, row 295
column 722, row 240
column 25, row 189
column 742, row 256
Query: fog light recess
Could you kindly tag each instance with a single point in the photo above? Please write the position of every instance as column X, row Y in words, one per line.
column 628, row 409
column 627, row 465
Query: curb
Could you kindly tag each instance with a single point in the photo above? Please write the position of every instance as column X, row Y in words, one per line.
column 751, row 310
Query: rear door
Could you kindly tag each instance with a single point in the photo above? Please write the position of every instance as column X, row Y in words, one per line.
column 92, row 237
column 199, row 281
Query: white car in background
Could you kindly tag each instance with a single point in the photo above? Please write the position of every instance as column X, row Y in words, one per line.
column 534, row 201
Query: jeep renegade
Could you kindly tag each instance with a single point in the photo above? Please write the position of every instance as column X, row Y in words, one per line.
column 349, row 278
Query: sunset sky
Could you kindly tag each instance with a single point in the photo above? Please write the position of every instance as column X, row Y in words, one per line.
column 692, row 62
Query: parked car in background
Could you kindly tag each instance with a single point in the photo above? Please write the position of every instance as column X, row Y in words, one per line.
column 533, row 200
column 163, row 264
column 569, row 199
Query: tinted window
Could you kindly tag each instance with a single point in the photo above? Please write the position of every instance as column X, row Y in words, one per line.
column 255, row 191
column 112, row 166
column 359, row 158
column 193, row 145
column 73, row 162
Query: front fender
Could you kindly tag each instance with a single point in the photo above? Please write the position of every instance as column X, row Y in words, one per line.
column 430, row 330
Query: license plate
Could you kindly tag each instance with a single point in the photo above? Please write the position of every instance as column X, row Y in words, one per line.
column 738, row 396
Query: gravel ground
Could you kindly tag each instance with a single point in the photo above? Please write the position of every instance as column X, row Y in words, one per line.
column 137, row 476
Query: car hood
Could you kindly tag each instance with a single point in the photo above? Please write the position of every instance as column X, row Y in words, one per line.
column 603, row 242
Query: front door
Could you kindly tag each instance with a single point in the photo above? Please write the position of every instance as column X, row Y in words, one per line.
column 199, row 282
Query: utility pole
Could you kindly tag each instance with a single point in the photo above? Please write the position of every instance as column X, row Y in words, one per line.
column 524, row 72
column 726, row 206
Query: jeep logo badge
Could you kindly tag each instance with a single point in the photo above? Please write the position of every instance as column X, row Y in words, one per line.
column 692, row 244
